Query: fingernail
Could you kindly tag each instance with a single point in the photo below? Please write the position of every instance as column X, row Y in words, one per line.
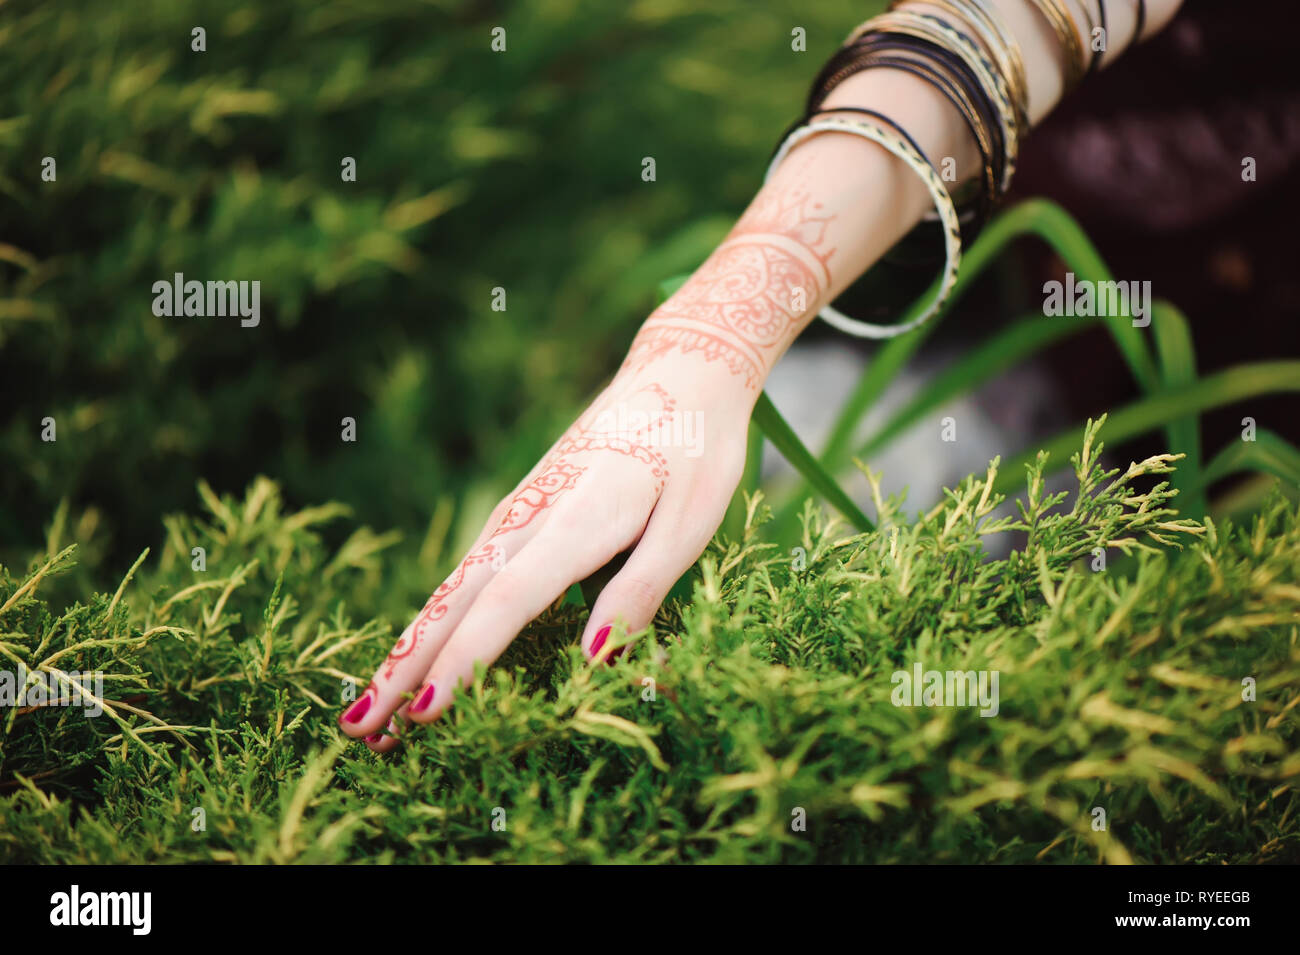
column 599, row 641
column 358, row 710
column 422, row 701
column 374, row 737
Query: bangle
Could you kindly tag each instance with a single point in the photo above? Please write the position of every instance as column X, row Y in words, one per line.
column 1056, row 13
column 994, row 87
column 986, row 20
column 921, row 59
column 929, row 48
column 914, row 158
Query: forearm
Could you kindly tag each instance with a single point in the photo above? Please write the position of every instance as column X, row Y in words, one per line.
column 838, row 203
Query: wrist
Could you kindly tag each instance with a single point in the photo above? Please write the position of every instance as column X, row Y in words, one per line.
column 704, row 358
column 689, row 359
column 739, row 312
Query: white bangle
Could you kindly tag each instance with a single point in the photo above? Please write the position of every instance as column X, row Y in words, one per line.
column 897, row 145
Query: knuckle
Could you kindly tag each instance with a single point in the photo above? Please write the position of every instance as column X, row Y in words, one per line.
column 640, row 594
column 693, row 530
column 568, row 521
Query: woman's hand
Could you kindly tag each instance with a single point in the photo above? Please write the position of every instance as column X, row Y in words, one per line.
column 651, row 465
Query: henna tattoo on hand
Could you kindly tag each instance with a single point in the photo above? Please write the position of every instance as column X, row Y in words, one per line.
column 557, row 474
column 535, row 497
column 585, row 435
column 748, row 300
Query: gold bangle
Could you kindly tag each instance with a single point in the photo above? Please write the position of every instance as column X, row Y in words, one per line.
column 986, row 21
column 901, row 148
column 1058, row 14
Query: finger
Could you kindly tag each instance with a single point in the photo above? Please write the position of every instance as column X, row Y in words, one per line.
column 390, row 737
column 411, row 667
column 529, row 583
column 523, row 515
column 673, row 540
column 419, row 642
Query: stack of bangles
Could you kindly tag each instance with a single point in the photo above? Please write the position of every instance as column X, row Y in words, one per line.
column 971, row 57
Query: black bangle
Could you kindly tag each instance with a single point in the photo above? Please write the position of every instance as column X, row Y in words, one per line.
column 989, row 165
column 942, row 70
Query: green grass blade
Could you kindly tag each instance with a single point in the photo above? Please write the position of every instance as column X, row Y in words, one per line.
column 1177, row 357
column 787, row 442
column 749, row 481
column 1269, row 453
column 1037, row 217
column 753, row 460
column 987, row 361
column 1155, row 411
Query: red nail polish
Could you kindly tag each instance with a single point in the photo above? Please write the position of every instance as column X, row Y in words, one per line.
column 599, row 641
column 374, row 737
column 422, row 701
column 358, row 710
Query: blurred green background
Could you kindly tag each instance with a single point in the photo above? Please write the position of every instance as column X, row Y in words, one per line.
column 475, row 169
column 479, row 169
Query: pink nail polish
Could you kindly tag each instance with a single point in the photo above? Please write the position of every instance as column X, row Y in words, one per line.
column 358, row 710
column 599, row 640
column 422, row 701
column 374, row 737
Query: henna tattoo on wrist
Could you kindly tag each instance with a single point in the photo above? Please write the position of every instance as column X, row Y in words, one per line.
column 749, row 299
